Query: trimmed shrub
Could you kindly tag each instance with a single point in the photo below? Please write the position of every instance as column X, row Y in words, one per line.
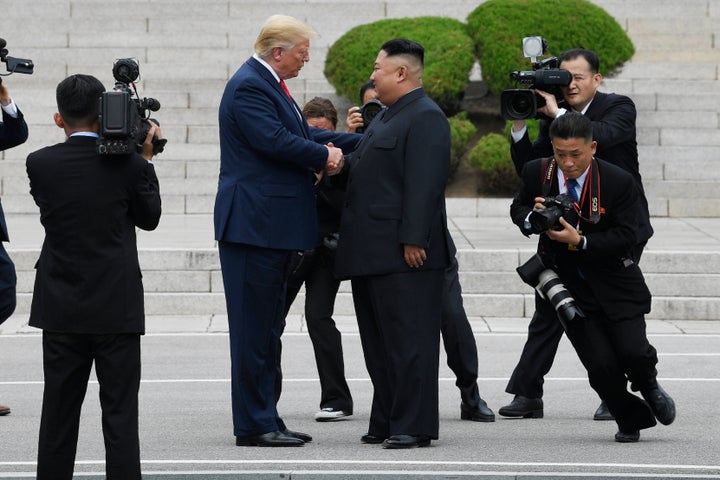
column 498, row 26
column 461, row 131
column 491, row 157
column 449, row 55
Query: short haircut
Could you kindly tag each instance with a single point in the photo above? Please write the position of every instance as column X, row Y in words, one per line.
column 366, row 86
column 78, row 99
column 589, row 56
column 403, row 46
column 571, row 125
column 320, row 107
column 282, row 31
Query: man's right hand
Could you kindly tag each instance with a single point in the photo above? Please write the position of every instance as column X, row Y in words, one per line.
column 354, row 119
column 335, row 160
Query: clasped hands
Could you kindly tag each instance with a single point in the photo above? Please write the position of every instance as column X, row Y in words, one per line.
column 335, row 160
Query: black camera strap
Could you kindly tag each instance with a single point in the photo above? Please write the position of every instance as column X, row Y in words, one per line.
column 590, row 212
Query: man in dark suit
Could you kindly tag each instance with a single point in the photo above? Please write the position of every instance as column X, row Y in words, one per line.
column 13, row 132
column 393, row 246
column 88, row 293
column 265, row 211
column 590, row 248
column 613, row 118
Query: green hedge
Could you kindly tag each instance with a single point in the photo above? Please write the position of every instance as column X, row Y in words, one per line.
column 461, row 131
column 491, row 157
column 449, row 55
column 498, row 26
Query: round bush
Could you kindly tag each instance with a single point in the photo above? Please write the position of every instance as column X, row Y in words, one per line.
column 461, row 131
column 449, row 55
column 498, row 26
column 491, row 157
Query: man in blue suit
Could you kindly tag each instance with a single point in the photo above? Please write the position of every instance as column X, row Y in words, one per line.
column 13, row 131
column 270, row 160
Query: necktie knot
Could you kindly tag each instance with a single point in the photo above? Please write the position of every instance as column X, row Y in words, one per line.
column 572, row 187
column 285, row 89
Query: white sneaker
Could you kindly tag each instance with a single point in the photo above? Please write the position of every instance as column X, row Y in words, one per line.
column 329, row 414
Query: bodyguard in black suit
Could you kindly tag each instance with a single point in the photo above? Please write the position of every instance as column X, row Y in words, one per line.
column 393, row 246
column 613, row 120
column 88, row 293
column 13, row 131
column 594, row 261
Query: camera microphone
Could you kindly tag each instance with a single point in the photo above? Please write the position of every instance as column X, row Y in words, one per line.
column 152, row 104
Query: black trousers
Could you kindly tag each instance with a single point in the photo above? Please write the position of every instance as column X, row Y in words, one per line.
column 458, row 338
column 315, row 270
column 67, row 361
column 399, row 321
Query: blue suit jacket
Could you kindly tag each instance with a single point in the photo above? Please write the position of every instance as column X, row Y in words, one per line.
column 268, row 154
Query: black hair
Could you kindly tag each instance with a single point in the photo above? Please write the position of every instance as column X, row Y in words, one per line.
column 78, row 99
column 403, row 46
column 589, row 56
column 571, row 125
column 366, row 86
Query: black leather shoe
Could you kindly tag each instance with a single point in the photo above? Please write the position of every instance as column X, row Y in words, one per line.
column 270, row 439
column 370, row 438
column 602, row 413
column 662, row 405
column 523, row 407
column 299, row 435
column 631, row 436
column 481, row 413
column 406, row 441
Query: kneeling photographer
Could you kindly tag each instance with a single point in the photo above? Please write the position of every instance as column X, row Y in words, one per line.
column 589, row 247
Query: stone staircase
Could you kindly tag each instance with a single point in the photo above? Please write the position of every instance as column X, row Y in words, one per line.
column 188, row 49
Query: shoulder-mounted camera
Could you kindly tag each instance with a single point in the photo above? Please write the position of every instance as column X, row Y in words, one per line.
column 123, row 115
column 522, row 103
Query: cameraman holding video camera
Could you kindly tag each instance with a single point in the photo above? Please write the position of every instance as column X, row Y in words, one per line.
column 88, row 292
column 593, row 258
column 613, row 122
column 13, row 132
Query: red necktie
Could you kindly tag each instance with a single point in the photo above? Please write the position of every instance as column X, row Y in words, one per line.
column 284, row 87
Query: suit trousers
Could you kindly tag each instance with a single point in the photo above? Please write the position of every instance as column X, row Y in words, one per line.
column 315, row 270
column 458, row 338
column 8, row 281
column 67, row 361
column 399, row 322
column 255, row 280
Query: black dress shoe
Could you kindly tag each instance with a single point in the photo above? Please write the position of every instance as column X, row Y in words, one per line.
column 481, row 413
column 602, row 413
column 662, row 405
column 523, row 407
column 299, row 435
column 270, row 439
column 370, row 438
column 631, row 436
column 406, row 441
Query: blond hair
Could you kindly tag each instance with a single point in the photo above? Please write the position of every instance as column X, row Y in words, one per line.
column 282, row 31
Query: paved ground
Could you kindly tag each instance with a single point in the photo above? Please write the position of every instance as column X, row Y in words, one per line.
column 185, row 395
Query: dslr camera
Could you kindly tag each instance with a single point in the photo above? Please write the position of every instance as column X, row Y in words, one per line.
column 522, row 103
column 12, row 64
column 559, row 206
column 368, row 112
column 546, row 282
column 123, row 115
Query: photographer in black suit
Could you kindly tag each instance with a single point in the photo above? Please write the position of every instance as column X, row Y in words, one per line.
column 88, row 292
column 613, row 120
column 593, row 258
column 13, row 132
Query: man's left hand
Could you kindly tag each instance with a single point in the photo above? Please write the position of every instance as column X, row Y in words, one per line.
column 414, row 256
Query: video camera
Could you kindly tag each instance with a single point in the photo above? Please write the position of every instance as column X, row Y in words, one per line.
column 14, row 65
column 546, row 282
column 520, row 104
column 123, row 125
